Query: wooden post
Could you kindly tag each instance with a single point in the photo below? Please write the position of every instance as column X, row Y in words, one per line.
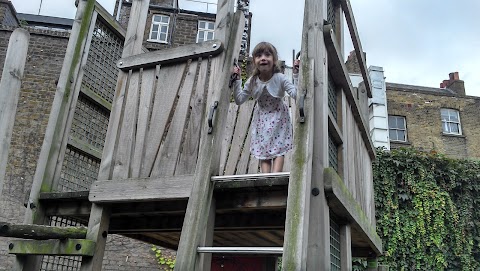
column 10, row 91
column 346, row 247
column 205, row 259
column 99, row 221
column 228, row 29
column 307, row 227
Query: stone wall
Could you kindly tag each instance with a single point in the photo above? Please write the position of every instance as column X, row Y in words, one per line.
column 424, row 125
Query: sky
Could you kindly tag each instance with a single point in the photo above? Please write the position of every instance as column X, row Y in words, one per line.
column 416, row 42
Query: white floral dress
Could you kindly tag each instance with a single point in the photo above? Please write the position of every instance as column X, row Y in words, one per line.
column 271, row 127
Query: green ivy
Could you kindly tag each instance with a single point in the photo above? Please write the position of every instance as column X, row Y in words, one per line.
column 166, row 262
column 427, row 210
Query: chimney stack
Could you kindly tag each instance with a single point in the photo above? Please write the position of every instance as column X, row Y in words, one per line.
column 454, row 83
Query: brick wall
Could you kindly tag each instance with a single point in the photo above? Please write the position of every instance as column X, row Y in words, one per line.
column 44, row 61
column 424, row 125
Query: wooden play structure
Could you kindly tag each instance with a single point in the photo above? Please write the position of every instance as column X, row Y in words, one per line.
column 175, row 166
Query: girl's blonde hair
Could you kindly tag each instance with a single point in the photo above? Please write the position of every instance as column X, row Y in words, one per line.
column 265, row 47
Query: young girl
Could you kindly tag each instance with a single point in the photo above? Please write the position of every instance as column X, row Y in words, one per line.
column 271, row 127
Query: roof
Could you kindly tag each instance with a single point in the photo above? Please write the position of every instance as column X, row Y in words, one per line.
column 429, row 90
column 45, row 21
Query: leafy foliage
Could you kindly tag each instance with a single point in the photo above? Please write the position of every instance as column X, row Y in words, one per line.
column 427, row 210
column 166, row 262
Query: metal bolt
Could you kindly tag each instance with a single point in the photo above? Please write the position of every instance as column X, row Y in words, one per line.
column 10, row 246
column 78, row 246
column 214, row 45
column 120, row 63
column 315, row 191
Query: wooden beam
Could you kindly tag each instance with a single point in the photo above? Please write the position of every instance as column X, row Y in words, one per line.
column 339, row 73
column 143, row 189
column 171, row 55
column 343, row 204
column 347, row 9
column 251, row 180
column 41, row 232
column 68, row 247
column 10, row 92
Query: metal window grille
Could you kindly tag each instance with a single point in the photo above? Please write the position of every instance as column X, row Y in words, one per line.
column 79, row 171
column 101, row 71
column 335, row 263
column 332, row 154
column 331, row 13
column 332, row 97
column 90, row 123
column 70, row 263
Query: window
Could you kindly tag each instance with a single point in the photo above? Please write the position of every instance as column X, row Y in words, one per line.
column 397, row 128
column 159, row 29
column 205, row 31
column 451, row 121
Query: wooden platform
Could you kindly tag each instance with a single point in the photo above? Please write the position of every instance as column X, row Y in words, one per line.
column 250, row 211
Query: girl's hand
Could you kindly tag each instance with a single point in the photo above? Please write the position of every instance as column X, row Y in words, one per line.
column 296, row 66
column 237, row 72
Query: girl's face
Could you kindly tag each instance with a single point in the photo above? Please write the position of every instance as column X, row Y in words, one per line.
column 264, row 62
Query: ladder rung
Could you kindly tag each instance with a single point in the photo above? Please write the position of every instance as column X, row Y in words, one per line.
column 251, row 180
column 66, row 247
column 241, row 250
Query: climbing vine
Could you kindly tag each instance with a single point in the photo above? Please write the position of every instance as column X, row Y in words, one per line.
column 166, row 262
column 427, row 209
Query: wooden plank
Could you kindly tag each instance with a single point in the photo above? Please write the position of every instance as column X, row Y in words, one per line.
column 346, row 248
column 339, row 73
column 189, row 151
column 347, row 9
column 253, row 165
column 144, row 189
column 168, row 157
column 67, row 247
column 241, row 130
column 147, row 92
column 242, row 165
column 345, row 206
column 10, row 84
column 228, row 28
column 205, row 260
column 168, row 86
column 125, row 148
column 227, row 135
column 41, row 232
column 171, row 55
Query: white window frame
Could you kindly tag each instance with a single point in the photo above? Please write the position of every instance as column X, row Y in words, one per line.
column 204, row 31
column 450, row 118
column 395, row 128
column 160, row 25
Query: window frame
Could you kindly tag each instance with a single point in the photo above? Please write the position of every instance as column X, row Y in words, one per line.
column 459, row 123
column 159, row 32
column 205, row 30
column 398, row 129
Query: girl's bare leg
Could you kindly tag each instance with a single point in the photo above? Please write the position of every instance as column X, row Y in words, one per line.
column 278, row 164
column 266, row 166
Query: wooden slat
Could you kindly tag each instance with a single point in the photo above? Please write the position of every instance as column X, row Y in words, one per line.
column 169, row 152
column 68, row 247
column 147, row 92
column 241, row 129
column 345, row 206
column 253, row 165
column 125, row 149
column 227, row 135
column 189, row 151
column 167, row 90
column 171, row 55
column 10, row 84
column 147, row 189
column 347, row 9
column 339, row 73
column 40, row 232
column 242, row 165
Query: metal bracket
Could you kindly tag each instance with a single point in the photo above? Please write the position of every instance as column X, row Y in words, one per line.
column 301, row 107
column 210, row 116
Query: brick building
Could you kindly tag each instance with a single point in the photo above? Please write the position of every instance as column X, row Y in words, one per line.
column 441, row 119
column 167, row 26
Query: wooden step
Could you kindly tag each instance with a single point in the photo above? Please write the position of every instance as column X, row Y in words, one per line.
column 41, row 232
column 65, row 247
